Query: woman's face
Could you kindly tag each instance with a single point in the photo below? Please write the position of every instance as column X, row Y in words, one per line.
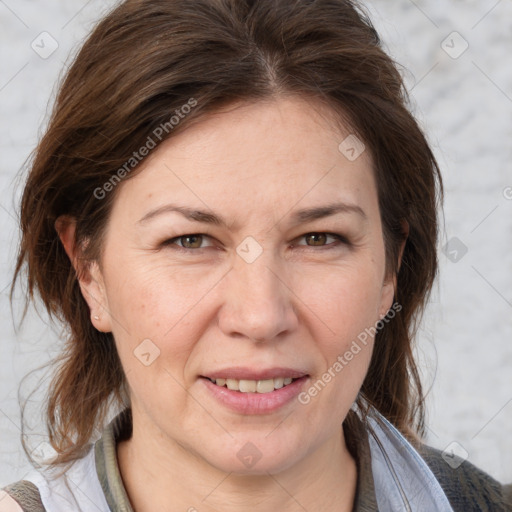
column 248, row 248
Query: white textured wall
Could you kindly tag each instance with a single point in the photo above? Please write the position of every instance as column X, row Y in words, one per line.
column 464, row 104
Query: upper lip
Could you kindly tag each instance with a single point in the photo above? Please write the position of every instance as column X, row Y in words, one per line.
column 241, row 373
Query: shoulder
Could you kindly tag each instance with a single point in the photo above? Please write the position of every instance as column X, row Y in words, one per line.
column 467, row 487
column 55, row 488
column 22, row 496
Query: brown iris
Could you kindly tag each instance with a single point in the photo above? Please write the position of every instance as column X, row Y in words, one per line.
column 191, row 241
column 316, row 238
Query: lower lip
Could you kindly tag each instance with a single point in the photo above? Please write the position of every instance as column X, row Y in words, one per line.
column 255, row 403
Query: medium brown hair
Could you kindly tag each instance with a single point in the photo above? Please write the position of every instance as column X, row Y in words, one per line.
column 144, row 61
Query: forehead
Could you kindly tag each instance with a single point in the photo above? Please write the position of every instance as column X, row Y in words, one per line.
column 254, row 158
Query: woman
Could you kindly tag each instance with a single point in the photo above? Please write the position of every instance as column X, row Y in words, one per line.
column 235, row 215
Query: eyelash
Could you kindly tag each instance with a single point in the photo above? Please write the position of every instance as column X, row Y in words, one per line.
column 340, row 239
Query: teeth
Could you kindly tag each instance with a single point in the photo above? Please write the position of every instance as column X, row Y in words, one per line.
column 233, row 384
column 264, row 386
column 254, row 386
column 248, row 386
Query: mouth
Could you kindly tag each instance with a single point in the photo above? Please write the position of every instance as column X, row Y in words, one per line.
column 253, row 386
column 252, row 392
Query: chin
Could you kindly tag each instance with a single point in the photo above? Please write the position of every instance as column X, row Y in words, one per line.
column 255, row 455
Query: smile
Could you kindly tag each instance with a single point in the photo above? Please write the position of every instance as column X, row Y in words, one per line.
column 255, row 396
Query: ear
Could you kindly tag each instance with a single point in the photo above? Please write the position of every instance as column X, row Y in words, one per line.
column 389, row 285
column 90, row 278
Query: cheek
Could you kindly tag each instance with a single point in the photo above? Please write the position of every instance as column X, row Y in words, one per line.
column 344, row 305
column 156, row 298
column 169, row 307
column 154, row 334
column 345, row 299
column 148, row 308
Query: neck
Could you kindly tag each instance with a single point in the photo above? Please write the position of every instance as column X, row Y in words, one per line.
column 170, row 477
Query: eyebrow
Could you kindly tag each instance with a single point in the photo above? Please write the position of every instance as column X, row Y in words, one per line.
column 304, row 215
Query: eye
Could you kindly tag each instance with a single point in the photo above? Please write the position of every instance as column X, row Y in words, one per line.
column 187, row 242
column 319, row 239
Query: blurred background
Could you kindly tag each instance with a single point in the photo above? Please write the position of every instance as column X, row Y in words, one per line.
column 456, row 58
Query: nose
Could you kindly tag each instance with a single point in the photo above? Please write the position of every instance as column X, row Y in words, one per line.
column 257, row 302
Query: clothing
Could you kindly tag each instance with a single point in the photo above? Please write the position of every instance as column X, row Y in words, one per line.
column 392, row 477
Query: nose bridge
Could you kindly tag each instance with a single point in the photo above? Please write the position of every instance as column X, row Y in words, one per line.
column 257, row 303
column 259, row 282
